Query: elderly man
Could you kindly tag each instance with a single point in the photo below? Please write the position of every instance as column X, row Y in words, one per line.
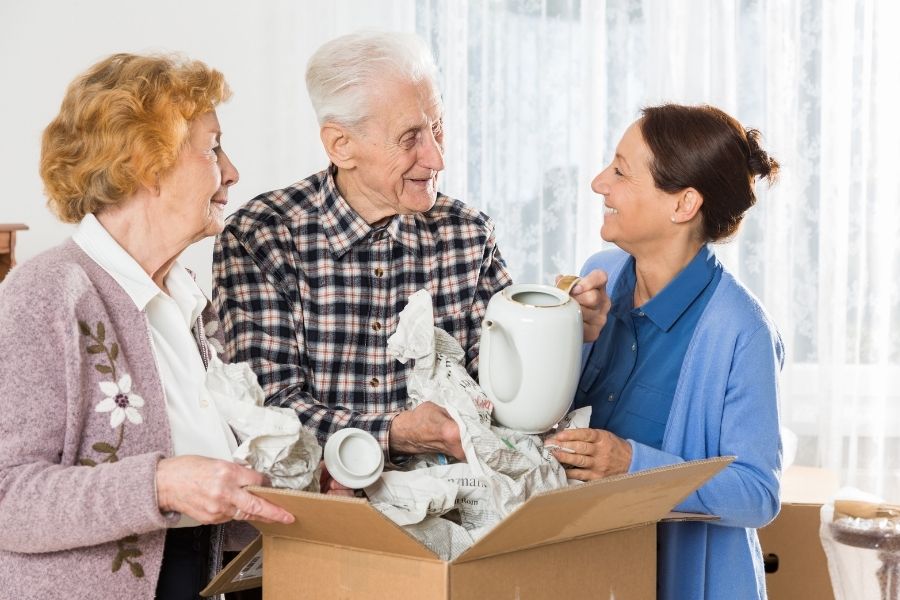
column 310, row 279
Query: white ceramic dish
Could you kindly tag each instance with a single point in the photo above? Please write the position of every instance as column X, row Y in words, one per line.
column 354, row 458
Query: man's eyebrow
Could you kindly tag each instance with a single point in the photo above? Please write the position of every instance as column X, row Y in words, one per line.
column 413, row 127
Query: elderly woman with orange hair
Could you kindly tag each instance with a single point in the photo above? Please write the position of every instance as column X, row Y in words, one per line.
column 114, row 465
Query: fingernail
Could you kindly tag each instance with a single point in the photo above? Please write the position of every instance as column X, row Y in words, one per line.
column 287, row 519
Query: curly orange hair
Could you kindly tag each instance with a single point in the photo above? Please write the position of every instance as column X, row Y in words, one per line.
column 121, row 126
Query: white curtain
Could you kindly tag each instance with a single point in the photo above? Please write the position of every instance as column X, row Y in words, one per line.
column 538, row 92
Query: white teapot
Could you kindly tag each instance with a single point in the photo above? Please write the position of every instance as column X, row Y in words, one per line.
column 530, row 357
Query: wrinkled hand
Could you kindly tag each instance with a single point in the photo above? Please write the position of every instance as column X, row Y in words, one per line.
column 328, row 485
column 426, row 428
column 590, row 293
column 212, row 491
column 596, row 453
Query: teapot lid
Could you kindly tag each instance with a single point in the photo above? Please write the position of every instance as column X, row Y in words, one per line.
column 536, row 295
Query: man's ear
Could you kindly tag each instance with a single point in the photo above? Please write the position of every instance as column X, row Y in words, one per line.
column 688, row 205
column 338, row 144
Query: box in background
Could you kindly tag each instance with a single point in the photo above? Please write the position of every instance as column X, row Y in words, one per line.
column 796, row 566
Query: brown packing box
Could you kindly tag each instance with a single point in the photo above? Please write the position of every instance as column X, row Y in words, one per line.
column 596, row 540
column 795, row 561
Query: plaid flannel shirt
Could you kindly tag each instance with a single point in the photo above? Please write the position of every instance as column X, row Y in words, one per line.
column 308, row 293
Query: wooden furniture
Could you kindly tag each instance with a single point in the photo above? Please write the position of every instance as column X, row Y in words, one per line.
column 8, row 246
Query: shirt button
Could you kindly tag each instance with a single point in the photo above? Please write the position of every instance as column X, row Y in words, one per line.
column 634, row 347
column 373, row 382
column 376, row 325
column 641, row 314
column 378, row 271
column 611, row 397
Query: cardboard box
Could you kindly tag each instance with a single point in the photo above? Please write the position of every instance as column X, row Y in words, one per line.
column 596, row 540
column 796, row 566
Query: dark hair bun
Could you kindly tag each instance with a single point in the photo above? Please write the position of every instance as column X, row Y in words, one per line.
column 759, row 162
column 704, row 148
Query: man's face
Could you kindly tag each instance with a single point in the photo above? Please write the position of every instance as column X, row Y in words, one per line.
column 398, row 151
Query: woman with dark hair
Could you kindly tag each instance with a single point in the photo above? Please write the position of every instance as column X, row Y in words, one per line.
column 687, row 365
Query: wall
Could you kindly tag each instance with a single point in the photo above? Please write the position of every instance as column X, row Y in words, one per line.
column 269, row 129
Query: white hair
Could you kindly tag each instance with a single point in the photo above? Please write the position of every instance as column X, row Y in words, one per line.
column 342, row 74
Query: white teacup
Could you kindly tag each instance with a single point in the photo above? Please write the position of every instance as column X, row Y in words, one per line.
column 354, row 458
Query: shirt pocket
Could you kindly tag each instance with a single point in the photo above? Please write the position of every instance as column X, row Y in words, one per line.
column 650, row 404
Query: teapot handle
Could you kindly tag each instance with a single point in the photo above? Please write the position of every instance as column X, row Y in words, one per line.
column 507, row 388
column 484, row 354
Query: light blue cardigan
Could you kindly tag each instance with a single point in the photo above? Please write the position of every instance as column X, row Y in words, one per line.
column 726, row 403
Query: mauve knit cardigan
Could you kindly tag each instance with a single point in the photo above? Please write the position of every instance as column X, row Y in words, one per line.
column 78, row 510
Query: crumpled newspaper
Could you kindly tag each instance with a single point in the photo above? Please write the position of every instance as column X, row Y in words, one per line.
column 414, row 498
column 272, row 440
column 503, row 467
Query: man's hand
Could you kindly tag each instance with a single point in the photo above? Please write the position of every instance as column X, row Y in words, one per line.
column 426, row 428
column 328, row 485
column 591, row 294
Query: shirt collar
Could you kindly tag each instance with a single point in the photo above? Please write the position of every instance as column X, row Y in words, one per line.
column 344, row 228
column 97, row 243
column 184, row 290
column 104, row 250
column 665, row 308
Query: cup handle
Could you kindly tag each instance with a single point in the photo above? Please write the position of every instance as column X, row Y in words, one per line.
column 567, row 282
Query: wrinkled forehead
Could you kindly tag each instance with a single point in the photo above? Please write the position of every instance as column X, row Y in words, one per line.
column 404, row 103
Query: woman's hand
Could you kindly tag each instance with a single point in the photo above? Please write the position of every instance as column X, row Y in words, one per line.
column 212, row 491
column 592, row 453
column 590, row 293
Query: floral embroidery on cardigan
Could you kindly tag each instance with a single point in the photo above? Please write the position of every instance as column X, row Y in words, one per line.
column 127, row 553
column 122, row 404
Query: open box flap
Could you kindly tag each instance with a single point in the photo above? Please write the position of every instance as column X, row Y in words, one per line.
column 244, row 572
column 575, row 511
column 604, row 505
column 339, row 521
column 681, row 517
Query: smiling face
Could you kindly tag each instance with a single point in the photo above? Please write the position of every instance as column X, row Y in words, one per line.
column 637, row 214
column 397, row 152
column 195, row 191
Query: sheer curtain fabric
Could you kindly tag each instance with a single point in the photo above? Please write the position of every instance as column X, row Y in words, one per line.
column 538, row 92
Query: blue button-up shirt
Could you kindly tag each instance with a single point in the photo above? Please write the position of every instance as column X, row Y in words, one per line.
column 633, row 367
